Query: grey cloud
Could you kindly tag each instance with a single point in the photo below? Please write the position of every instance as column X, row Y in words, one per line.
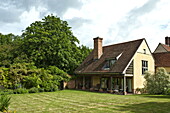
column 77, row 22
column 131, row 21
column 17, row 7
column 9, row 16
column 61, row 6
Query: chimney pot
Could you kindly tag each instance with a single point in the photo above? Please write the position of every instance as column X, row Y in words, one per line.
column 167, row 41
column 98, row 49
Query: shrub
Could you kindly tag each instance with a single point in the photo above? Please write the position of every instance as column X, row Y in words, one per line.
column 7, row 91
column 4, row 102
column 33, row 90
column 157, row 83
column 167, row 92
column 41, row 89
column 20, row 91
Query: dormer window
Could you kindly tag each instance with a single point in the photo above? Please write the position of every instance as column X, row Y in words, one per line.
column 109, row 63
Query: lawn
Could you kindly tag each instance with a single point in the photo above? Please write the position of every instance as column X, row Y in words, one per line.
column 72, row 101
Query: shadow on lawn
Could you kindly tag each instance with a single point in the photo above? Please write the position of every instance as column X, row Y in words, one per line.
column 157, row 96
column 154, row 96
column 148, row 107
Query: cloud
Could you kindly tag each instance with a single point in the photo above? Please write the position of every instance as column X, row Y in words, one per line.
column 24, row 12
column 9, row 16
column 114, row 20
column 77, row 22
column 61, row 6
column 131, row 21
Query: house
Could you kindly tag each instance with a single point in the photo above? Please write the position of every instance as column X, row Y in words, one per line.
column 118, row 67
column 162, row 55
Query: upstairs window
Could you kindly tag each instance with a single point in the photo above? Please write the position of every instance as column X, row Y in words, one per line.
column 144, row 51
column 144, row 66
column 109, row 63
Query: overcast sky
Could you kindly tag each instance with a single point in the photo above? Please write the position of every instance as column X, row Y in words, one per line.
column 114, row 20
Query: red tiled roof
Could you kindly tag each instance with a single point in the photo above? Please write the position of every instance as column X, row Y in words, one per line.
column 127, row 49
column 162, row 59
column 166, row 47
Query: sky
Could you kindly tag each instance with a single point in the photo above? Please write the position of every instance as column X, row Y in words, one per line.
column 115, row 21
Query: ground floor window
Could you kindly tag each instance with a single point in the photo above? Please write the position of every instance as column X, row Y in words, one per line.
column 117, row 83
column 144, row 66
column 104, row 83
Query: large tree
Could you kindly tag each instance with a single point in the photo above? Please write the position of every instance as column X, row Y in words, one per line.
column 9, row 45
column 50, row 42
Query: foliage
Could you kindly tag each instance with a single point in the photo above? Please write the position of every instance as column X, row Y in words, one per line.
column 50, row 42
column 41, row 57
column 20, row 91
column 9, row 45
column 25, row 75
column 6, row 91
column 140, row 90
column 33, row 90
column 4, row 102
column 158, row 83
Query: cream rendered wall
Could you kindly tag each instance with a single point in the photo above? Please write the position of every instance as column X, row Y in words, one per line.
column 95, row 80
column 166, row 68
column 138, row 78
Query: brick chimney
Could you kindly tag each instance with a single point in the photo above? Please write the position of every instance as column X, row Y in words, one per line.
column 98, row 49
column 167, row 41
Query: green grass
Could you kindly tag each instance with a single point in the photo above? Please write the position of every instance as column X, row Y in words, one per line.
column 71, row 101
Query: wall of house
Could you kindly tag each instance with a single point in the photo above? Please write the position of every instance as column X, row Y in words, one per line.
column 71, row 84
column 138, row 78
column 166, row 68
column 95, row 80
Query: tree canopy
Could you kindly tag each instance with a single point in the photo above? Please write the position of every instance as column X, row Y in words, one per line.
column 50, row 42
column 9, row 45
column 41, row 57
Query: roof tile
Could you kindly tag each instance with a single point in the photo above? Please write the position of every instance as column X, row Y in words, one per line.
column 127, row 49
column 162, row 59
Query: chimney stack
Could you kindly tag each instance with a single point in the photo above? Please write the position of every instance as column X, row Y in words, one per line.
column 167, row 41
column 98, row 49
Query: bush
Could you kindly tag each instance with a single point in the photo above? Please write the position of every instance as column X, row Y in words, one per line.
column 41, row 89
column 157, row 83
column 167, row 92
column 7, row 91
column 4, row 102
column 33, row 90
column 20, row 91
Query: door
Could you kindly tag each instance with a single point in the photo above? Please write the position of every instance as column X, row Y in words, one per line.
column 129, row 84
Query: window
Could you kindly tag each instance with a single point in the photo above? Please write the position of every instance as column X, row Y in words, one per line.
column 109, row 63
column 144, row 66
column 144, row 51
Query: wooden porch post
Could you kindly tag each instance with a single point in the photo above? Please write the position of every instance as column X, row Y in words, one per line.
column 83, row 83
column 111, row 85
column 91, row 84
column 124, row 85
column 101, row 90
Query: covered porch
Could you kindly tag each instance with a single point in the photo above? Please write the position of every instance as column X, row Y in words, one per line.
column 120, row 84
